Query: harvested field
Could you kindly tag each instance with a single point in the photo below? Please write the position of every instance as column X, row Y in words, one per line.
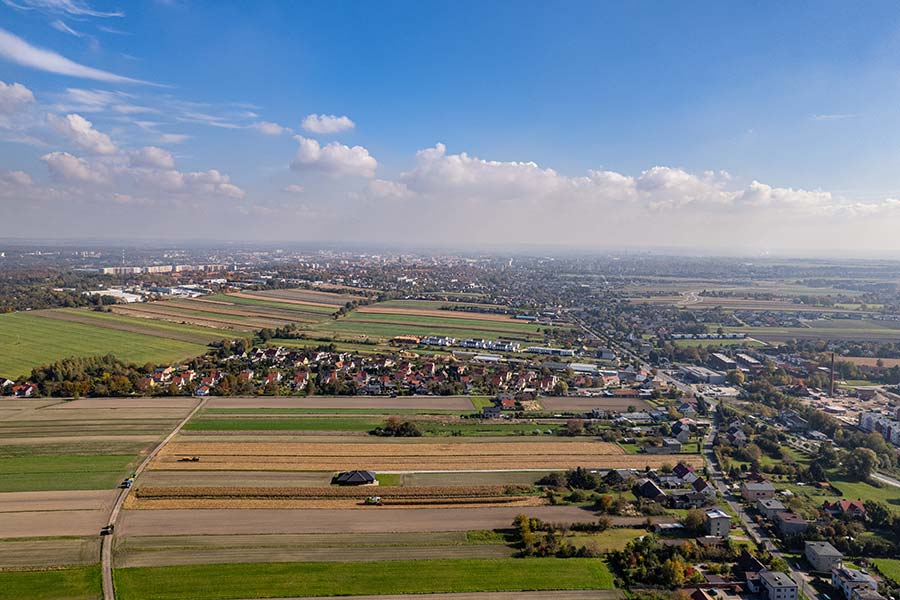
column 69, row 500
column 316, row 497
column 185, row 404
column 872, row 362
column 562, row 403
column 263, row 521
column 229, row 478
column 453, row 454
column 269, row 298
column 313, row 296
column 367, row 402
column 547, row 594
column 26, row 553
column 327, row 503
column 423, row 312
column 52, row 523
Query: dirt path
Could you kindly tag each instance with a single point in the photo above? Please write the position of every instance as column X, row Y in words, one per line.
column 106, row 563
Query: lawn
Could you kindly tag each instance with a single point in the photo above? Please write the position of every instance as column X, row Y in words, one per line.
column 273, row 580
column 28, row 341
column 64, row 472
column 889, row 567
column 81, row 583
column 284, row 424
column 853, row 490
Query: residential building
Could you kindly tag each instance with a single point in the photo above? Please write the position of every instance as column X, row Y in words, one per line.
column 757, row 490
column 854, row 509
column 769, row 507
column 778, row 585
column 718, row 522
column 790, row 523
column 822, row 556
column 850, row 580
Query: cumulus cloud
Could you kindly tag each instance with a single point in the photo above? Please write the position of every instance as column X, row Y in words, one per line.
column 153, row 157
column 381, row 188
column 16, row 50
column 334, row 158
column 325, row 124
column 15, row 178
column 268, row 128
column 66, row 167
column 14, row 97
column 81, row 132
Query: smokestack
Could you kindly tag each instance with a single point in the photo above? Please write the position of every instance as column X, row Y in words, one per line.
column 831, row 392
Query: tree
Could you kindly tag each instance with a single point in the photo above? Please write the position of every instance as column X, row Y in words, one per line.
column 574, row 427
column 735, row 377
column 860, row 463
column 694, row 520
column 878, row 514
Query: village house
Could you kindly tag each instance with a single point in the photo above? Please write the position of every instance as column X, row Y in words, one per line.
column 850, row 581
column 757, row 490
column 853, row 509
column 790, row 523
column 769, row 507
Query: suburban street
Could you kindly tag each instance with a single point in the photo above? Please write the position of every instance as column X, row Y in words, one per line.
column 756, row 533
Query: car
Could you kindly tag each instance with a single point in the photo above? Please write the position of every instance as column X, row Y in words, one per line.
column 107, row 529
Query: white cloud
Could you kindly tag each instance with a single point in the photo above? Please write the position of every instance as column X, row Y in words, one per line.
column 293, row 188
column 173, row 138
column 325, row 124
column 15, row 178
column 151, row 156
column 67, row 7
column 65, row 167
column 61, row 26
column 382, row 189
column 334, row 158
column 14, row 97
column 268, row 128
column 18, row 51
column 81, row 132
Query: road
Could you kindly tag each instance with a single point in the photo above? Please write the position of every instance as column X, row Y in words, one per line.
column 106, row 544
column 757, row 534
column 885, row 479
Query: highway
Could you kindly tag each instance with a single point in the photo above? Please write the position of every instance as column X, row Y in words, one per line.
column 106, row 542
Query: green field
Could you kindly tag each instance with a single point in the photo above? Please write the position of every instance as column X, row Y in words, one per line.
column 853, row 490
column 889, row 567
column 28, row 341
column 82, row 583
column 273, row 580
column 63, row 472
column 459, row 322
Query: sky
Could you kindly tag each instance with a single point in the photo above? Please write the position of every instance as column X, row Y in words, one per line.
column 756, row 127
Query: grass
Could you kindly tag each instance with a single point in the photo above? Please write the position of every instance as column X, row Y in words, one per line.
column 81, row 583
column 490, row 324
column 477, row 428
column 272, row 580
column 488, row 536
column 853, row 490
column 608, row 541
column 64, row 472
column 300, row 308
column 744, row 342
column 285, row 424
column 889, row 567
column 28, row 341
column 389, row 479
column 480, row 402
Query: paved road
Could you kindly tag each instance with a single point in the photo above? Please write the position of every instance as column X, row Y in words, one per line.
column 885, row 479
column 109, row 591
column 757, row 534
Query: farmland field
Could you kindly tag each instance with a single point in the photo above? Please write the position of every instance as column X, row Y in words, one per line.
column 386, row 577
column 28, row 340
column 81, row 583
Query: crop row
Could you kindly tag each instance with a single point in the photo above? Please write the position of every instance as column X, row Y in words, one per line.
column 332, row 492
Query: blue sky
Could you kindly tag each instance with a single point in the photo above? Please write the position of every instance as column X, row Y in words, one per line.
column 680, row 106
